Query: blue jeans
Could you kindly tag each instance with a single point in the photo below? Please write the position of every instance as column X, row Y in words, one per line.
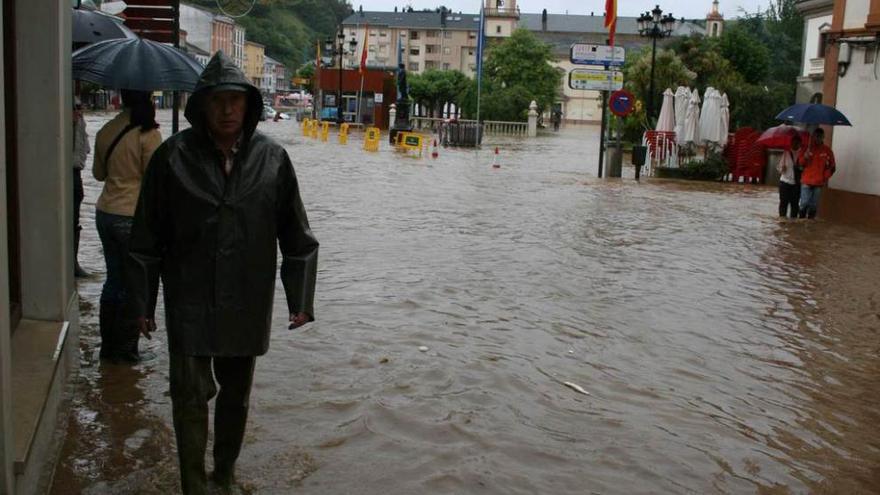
column 114, row 231
column 809, row 203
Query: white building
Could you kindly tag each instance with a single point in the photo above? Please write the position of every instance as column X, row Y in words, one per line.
column 238, row 36
column 269, row 86
column 198, row 25
column 852, row 85
column 817, row 24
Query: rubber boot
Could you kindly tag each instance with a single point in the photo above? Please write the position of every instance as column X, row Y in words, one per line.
column 108, row 315
column 78, row 271
column 128, row 337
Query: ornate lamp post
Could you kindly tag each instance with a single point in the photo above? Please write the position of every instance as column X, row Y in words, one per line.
column 655, row 25
column 337, row 48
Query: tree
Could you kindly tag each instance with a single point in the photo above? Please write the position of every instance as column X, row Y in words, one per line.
column 306, row 70
column 518, row 69
column 749, row 56
column 435, row 88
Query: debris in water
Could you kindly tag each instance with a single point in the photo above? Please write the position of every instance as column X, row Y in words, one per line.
column 383, row 360
column 423, row 348
column 576, row 387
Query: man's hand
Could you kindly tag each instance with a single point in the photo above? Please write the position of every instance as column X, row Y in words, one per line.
column 145, row 326
column 297, row 320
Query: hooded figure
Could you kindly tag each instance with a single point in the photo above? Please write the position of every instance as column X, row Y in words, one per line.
column 211, row 214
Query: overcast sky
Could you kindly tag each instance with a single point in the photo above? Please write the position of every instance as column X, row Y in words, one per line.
column 691, row 9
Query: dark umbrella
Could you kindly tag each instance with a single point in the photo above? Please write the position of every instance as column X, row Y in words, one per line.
column 90, row 26
column 138, row 64
column 813, row 113
column 779, row 137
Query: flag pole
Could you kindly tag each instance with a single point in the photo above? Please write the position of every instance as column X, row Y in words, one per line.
column 480, row 61
column 363, row 71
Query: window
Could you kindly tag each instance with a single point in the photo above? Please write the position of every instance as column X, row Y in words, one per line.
column 498, row 29
column 383, row 33
column 430, row 64
column 472, row 35
column 413, row 35
column 471, row 52
column 823, row 44
column 433, row 33
column 354, row 33
column 414, row 51
column 432, row 48
column 372, row 48
column 870, row 54
column 447, row 50
column 447, row 35
column 373, row 33
column 446, row 66
column 414, row 66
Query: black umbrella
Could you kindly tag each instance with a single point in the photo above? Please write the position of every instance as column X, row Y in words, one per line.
column 138, row 64
column 90, row 26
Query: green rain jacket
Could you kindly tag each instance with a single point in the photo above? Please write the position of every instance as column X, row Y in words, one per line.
column 212, row 238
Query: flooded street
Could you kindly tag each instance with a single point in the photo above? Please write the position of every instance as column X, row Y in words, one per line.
column 723, row 350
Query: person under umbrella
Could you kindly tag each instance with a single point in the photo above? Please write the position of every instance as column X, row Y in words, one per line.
column 790, row 179
column 123, row 148
column 819, row 165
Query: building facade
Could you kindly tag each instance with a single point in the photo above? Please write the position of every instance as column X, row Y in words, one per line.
column 222, row 35
column 254, row 54
column 238, row 40
column 714, row 22
column 852, row 85
column 426, row 40
column 198, row 25
column 269, row 85
column 39, row 305
column 817, row 16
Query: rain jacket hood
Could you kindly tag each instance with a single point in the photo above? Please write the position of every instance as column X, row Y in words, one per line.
column 222, row 71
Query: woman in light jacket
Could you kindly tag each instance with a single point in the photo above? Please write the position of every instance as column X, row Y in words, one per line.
column 123, row 148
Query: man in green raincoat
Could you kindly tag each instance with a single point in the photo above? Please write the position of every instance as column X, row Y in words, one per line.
column 216, row 201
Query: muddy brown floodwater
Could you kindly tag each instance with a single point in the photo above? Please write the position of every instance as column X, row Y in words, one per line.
column 724, row 350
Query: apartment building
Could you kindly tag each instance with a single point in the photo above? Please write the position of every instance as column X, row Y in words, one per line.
column 817, row 16
column 427, row 40
column 254, row 55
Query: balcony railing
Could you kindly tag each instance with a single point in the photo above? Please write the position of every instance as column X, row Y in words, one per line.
column 503, row 12
column 817, row 67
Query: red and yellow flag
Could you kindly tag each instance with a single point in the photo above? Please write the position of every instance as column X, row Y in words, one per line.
column 611, row 18
column 363, row 68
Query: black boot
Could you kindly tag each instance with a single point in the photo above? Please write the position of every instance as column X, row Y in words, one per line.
column 78, row 271
column 127, row 344
column 108, row 314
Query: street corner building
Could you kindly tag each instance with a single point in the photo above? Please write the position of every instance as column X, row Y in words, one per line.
column 849, row 51
column 39, row 327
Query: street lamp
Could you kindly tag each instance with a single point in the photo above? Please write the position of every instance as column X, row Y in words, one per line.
column 337, row 48
column 655, row 25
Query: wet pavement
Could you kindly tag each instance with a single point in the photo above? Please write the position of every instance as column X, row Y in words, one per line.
column 723, row 350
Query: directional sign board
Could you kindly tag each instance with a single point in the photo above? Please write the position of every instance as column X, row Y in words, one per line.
column 595, row 79
column 587, row 54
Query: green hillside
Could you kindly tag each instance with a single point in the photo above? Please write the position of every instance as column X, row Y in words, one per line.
column 289, row 28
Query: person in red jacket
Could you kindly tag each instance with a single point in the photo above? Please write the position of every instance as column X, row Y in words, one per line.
column 818, row 165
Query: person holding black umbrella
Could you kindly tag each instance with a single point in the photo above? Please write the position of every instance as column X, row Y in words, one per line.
column 819, row 165
column 123, row 148
column 218, row 201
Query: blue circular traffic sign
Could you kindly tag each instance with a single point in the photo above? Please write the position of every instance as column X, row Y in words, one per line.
column 622, row 103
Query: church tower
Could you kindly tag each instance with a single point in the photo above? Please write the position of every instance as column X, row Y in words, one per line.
column 714, row 22
column 502, row 17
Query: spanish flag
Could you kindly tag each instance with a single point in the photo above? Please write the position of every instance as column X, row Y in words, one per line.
column 363, row 68
column 611, row 18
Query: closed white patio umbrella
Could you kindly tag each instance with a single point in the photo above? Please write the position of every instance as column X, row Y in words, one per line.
column 682, row 98
column 725, row 119
column 666, row 121
column 691, row 132
column 710, row 117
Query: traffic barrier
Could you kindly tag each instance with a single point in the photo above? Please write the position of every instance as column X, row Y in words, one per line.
column 372, row 136
column 325, row 131
column 495, row 163
column 411, row 141
column 434, row 152
column 343, row 133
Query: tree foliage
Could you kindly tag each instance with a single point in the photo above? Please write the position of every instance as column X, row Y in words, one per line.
column 289, row 29
column 517, row 71
column 435, row 88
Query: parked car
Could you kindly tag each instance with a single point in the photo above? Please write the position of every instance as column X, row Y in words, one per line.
column 269, row 114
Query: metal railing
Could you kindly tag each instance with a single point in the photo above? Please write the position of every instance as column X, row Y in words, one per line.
column 490, row 127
